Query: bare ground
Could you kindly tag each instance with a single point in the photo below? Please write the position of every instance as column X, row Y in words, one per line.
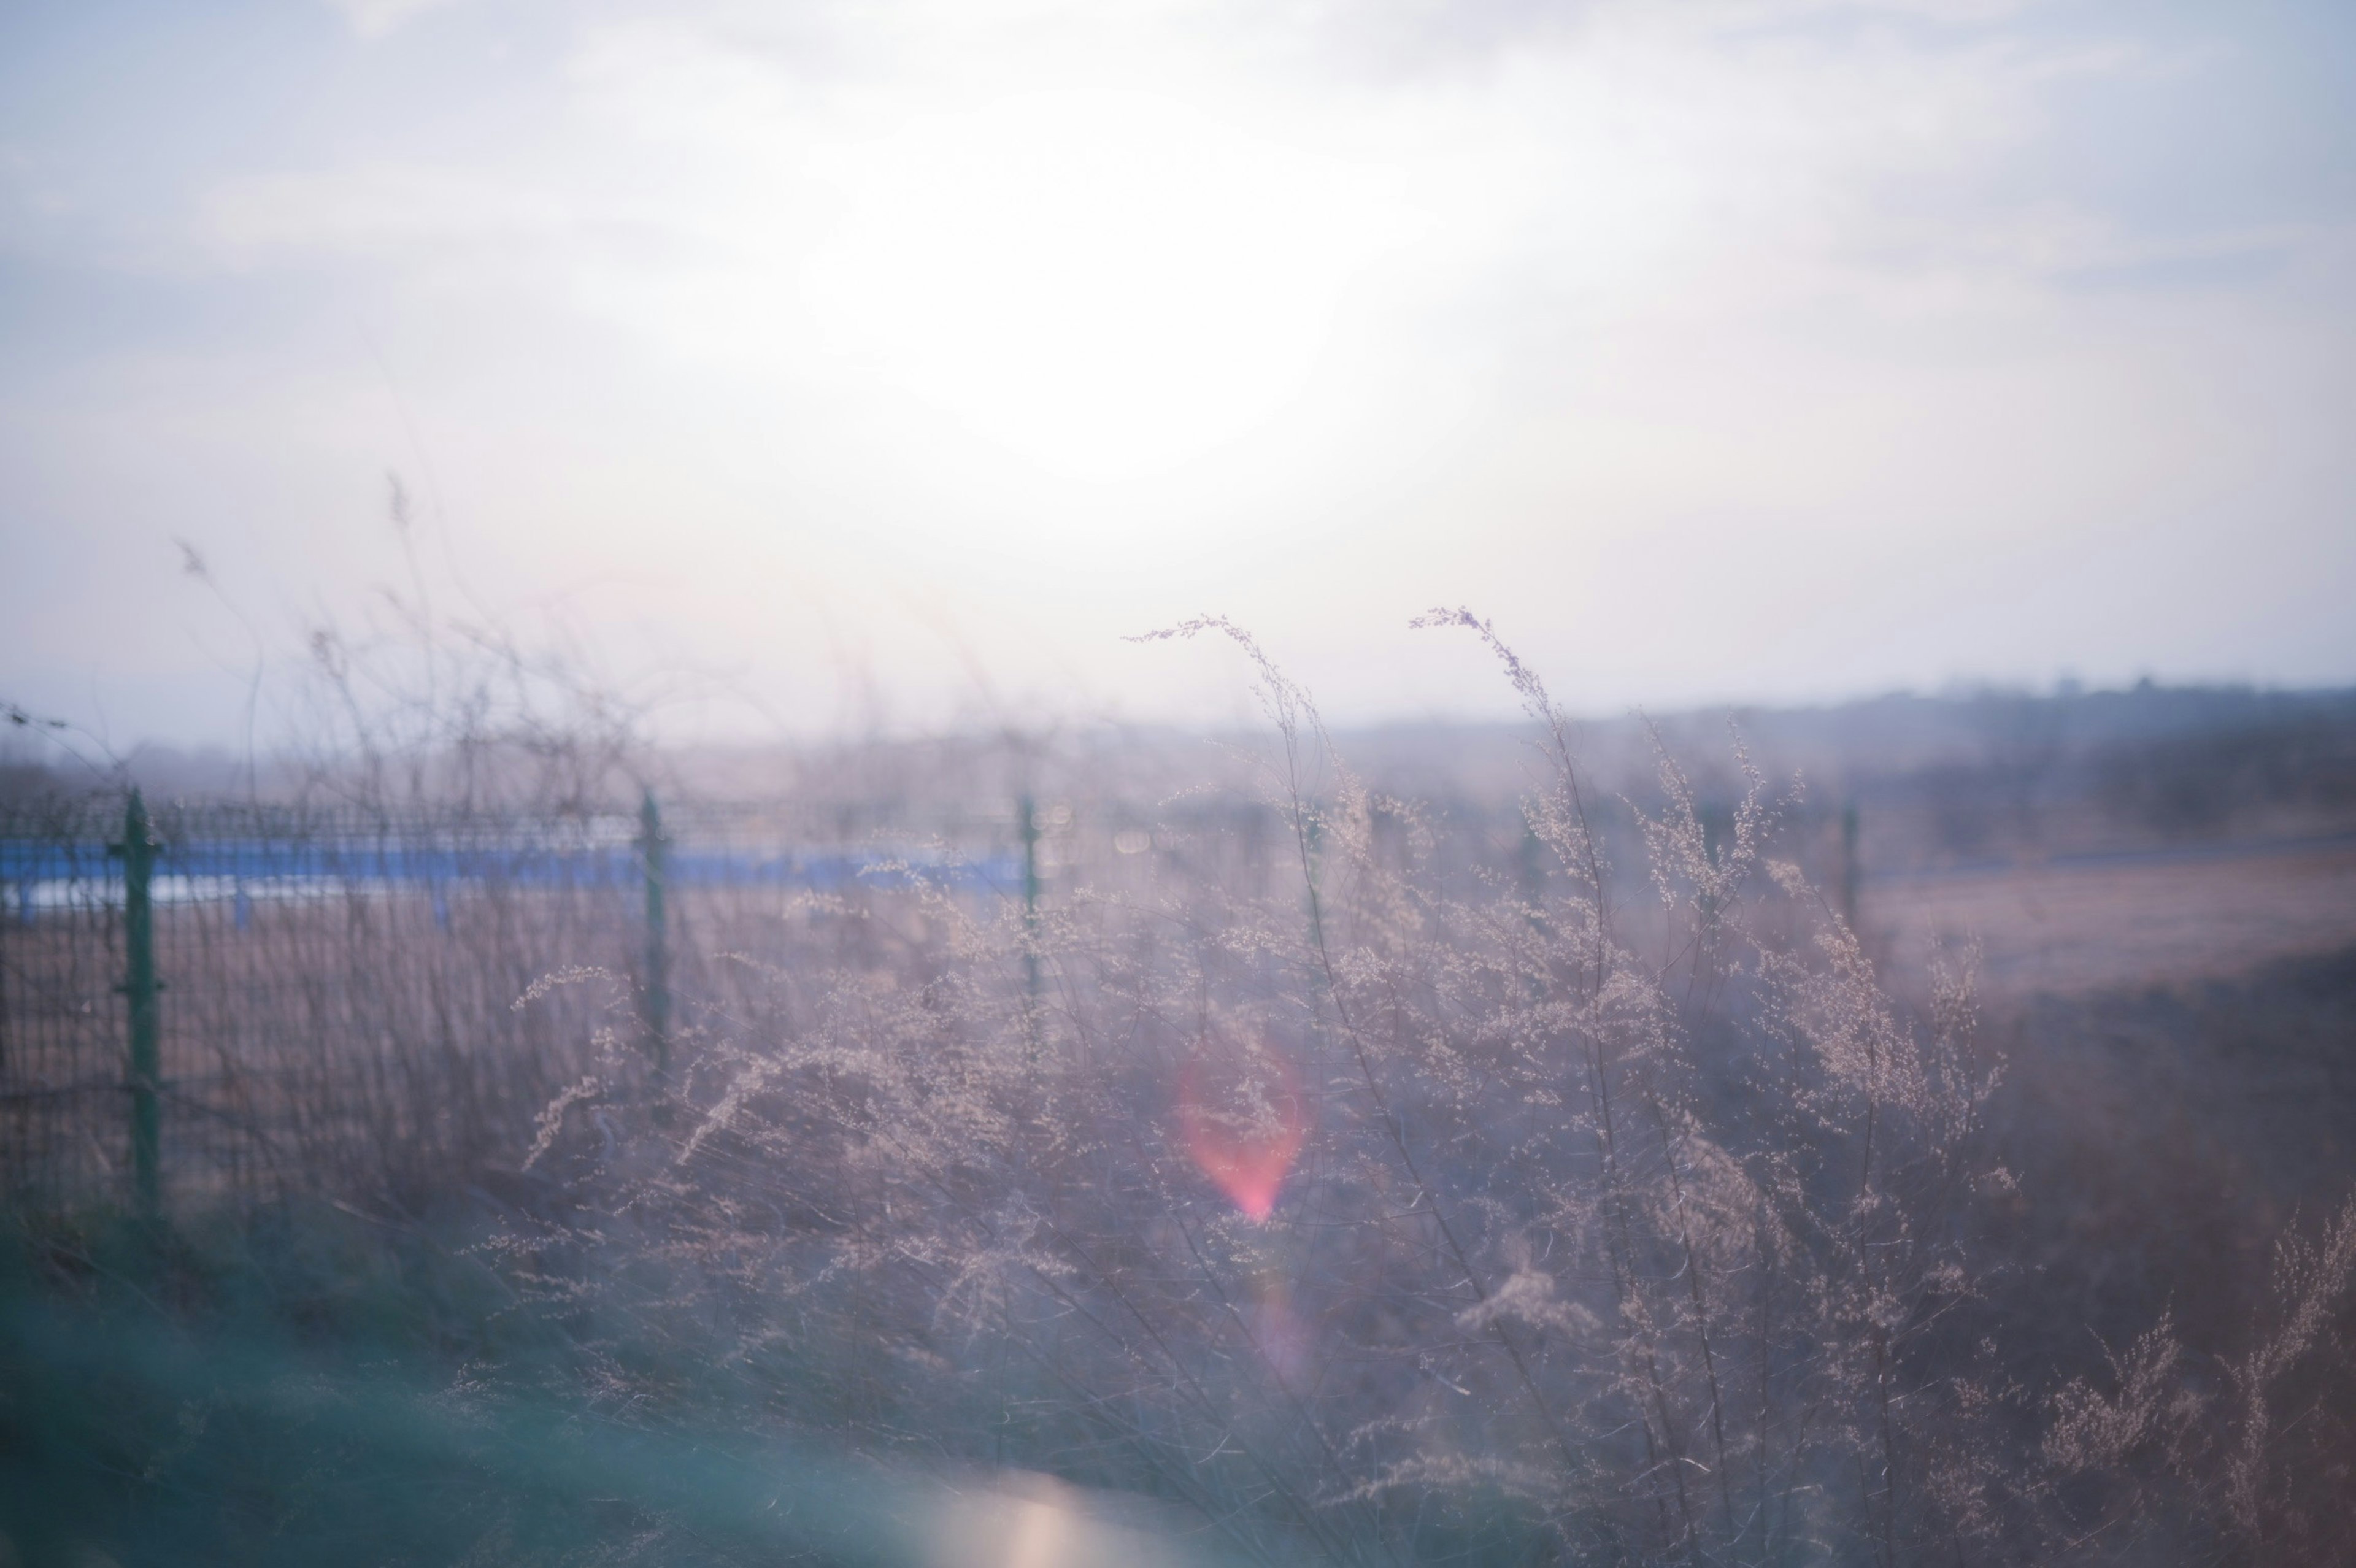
column 2074, row 926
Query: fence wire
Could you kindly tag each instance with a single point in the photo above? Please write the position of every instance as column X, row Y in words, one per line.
column 344, row 1002
column 359, row 1001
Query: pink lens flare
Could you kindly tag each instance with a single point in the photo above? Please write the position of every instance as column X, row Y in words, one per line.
column 1247, row 1144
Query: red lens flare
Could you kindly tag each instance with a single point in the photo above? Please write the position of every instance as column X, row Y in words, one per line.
column 1244, row 1141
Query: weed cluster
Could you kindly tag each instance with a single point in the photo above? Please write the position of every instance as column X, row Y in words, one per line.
column 1354, row 1184
column 1386, row 1217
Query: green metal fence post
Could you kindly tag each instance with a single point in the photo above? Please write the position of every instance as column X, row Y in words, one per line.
column 1026, row 821
column 1848, row 867
column 1313, row 862
column 650, row 846
column 139, row 985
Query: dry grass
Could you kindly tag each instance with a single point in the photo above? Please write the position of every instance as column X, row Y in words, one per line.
column 1607, row 1231
column 1368, row 1181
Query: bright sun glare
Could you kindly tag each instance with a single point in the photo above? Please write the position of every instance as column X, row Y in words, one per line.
column 1102, row 281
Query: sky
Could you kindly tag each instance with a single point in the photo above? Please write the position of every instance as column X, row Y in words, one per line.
column 831, row 365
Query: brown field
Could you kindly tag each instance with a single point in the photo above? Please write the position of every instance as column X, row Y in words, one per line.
column 2069, row 927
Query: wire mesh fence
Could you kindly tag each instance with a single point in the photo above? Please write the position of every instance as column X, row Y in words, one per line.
column 360, row 1001
column 356, row 1000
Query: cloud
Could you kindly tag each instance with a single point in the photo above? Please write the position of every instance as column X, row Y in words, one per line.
column 1757, row 341
column 399, row 213
column 374, row 19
